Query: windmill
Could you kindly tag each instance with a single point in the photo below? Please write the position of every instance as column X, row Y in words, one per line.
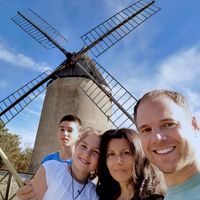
column 79, row 85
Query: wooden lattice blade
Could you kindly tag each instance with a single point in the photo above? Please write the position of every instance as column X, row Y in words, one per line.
column 108, row 33
column 18, row 100
column 40, row 30
column 122, row 101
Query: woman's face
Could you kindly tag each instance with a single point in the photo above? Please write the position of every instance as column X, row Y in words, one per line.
column 120, row 160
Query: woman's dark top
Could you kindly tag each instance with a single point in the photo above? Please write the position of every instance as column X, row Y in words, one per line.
column 155, row 197
column 151, row 197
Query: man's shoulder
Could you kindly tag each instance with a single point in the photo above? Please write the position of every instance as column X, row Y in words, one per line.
column 52, row 156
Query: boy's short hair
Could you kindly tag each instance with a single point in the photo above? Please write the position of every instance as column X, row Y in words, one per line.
column 72, row 118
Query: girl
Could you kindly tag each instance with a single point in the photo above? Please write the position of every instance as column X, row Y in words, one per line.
column 62, row 181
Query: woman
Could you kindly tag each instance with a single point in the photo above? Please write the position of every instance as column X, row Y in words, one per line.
column 124, row 172
column 62, row 181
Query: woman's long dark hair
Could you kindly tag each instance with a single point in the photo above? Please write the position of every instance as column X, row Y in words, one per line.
column 146, row 180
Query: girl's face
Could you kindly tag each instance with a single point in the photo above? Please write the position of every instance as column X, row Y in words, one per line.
column 86, row 154
column 120, row 160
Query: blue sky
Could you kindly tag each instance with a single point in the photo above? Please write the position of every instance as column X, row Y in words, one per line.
column 162, row 53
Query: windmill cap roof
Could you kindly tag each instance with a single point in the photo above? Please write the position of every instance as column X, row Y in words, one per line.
column 75, row 71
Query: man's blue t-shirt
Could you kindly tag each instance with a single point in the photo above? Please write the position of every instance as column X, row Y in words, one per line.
column 55, row 156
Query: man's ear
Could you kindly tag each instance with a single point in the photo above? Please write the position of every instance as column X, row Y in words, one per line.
column 195, row 124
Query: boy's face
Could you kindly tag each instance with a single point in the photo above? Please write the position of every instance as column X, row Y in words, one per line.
column 166, row 132
column 68, row 133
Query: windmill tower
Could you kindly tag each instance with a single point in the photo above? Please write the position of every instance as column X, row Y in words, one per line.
column 74, row 101
column 79, row 85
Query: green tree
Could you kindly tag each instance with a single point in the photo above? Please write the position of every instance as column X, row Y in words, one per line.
column 10, row 143
column 25, row 159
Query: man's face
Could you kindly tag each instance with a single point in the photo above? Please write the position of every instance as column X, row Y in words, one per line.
column 166, row 132
column 67, row 133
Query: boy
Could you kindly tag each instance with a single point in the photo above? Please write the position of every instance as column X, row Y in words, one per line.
column 67, row 134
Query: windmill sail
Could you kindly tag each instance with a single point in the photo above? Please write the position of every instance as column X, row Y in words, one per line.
column 40, row 30
column 113, row 91
column 17, row 101
column 108, row 33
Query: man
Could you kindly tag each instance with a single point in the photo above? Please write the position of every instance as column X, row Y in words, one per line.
column 170, row 138
column 67, row 135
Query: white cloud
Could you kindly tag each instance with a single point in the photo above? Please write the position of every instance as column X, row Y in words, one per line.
column 27, row 134
column 27, row 139
column 180, row 68
column 21, row 60
column 33, row 112
column 114, row 6
column 193, row 99
column 179, row 71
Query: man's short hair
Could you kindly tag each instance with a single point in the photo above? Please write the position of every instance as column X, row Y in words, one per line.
column 174, row 96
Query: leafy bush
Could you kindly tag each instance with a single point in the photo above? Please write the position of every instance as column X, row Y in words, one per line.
column 10, row 143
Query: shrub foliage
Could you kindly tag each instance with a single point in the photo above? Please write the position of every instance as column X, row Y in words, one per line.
column 10, row 143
